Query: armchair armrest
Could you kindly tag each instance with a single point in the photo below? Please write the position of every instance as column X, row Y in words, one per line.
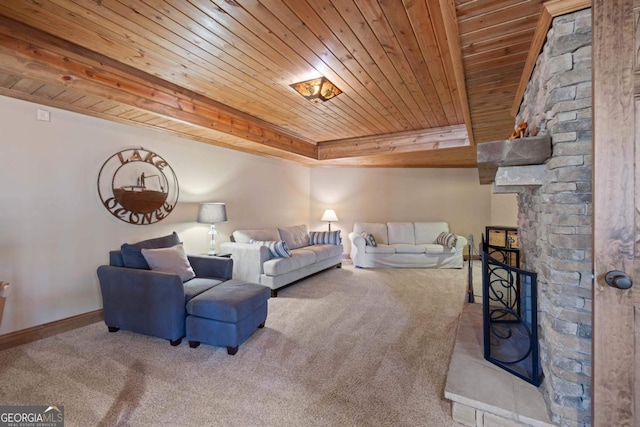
column 211, row 266
column 461, row 243
column 248, row 260
column 144, row 301
column 357, row 247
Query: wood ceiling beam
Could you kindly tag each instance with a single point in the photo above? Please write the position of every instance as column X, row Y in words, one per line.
column 398, row 142
column 550, row 10
column 30, row 52
column 461, row 157
column 450, row 20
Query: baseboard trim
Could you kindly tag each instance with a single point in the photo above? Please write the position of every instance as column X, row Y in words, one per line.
column 35, row 333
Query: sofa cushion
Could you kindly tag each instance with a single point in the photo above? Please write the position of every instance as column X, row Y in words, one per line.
column 325, row 251
column 325, row 237
column 378, row 230
column 132, row 256
column 447, row 239
column 171, row 260
column 277, row 249
column 427, row 232
column 299, row 258
column 230, row 301
column 264, row 234
column 380, row 249
column 401, row 232
column 403, row 248
column 433, row 248
column 197, row 286
column 296, row 236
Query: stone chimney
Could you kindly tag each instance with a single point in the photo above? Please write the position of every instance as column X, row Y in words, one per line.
column 555, row 215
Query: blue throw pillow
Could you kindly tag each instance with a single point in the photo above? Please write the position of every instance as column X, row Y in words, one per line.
column 277, row 249
column 132, row 254
column 325, row 237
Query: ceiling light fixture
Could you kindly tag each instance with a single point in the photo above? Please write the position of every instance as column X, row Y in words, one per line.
column 317, row 90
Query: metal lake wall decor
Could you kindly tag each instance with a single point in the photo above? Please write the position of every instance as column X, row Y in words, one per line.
column 138, row 186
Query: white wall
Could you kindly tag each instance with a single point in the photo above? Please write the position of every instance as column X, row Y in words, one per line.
column 403, row 194
column 54, row 232
column 504, row 210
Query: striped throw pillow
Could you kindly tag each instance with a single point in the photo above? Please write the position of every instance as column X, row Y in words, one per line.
column 325, row 237
column 277, row 249
column 447, row 239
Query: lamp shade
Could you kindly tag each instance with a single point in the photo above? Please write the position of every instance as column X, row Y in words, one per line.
column 212, row 213
column 329, row 215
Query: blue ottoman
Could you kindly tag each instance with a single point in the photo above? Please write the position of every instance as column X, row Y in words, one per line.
column 227, row 314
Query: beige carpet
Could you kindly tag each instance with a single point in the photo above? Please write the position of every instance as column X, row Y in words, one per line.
column 347, row 347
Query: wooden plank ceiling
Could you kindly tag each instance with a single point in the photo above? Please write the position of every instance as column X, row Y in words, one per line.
column 422, row 81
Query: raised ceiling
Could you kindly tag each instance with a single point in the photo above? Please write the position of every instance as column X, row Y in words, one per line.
column 422, row 81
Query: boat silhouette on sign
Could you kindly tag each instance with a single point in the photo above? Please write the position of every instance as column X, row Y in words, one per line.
column 138, row 198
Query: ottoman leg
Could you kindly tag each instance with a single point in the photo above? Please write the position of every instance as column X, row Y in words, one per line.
column 175, row 342
column 194, row 344
column 261, row 325
column 232, row 350
column 113, row 329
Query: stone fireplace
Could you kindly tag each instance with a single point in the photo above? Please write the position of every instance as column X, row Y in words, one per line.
column 555, row 217
column 554, row 195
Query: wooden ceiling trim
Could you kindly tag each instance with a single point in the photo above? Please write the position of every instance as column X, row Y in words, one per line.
column 450, row 21
column 462, row 157
column 409, row 141
column 550, row 10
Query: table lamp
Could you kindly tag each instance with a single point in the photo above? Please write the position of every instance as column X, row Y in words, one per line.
column 329, row 215
column 212, row 213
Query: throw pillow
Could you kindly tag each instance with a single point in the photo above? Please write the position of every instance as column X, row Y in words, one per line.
column 369, row 239
column 169, row 260
column 324, row 237
column 277, row 249
column 447, row 239
column 132, row 257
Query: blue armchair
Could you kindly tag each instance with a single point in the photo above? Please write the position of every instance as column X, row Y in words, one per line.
column 140, row 300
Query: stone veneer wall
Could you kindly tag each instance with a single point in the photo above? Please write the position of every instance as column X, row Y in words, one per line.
column 554, row 220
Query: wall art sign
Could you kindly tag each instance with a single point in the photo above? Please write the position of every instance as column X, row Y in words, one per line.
column 138, row 186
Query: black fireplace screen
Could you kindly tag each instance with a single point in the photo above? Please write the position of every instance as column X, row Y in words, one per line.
column 510, row 319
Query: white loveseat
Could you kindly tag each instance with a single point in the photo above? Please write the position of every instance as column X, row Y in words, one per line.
column 253, row 262
column 404, row 244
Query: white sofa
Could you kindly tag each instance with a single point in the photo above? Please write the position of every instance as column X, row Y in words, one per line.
column 253, row 263
column 405, row 244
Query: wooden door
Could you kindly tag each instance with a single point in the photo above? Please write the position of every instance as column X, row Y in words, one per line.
column 616, row 221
